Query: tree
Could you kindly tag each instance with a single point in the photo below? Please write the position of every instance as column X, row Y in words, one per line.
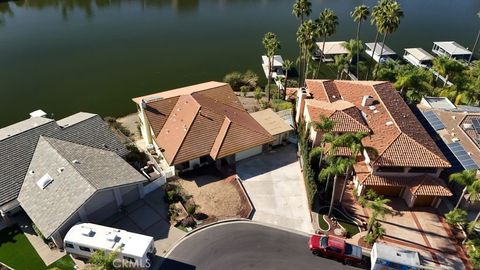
column 376, row 19
column 258, row 93
column 468, row 179
column 250, row 79
column 475, row 44
column 389, row 23
column 337, row 166
column 287, row 65
column 271, row 45
column 306, row 35
column 359, row 15
column 447, row 67
column 103, row 261
column 456, row 216
column 324, row 126
column 413, row 82
column 244, row 90
column 234, row 79
column 379, row 209
column 341, row 62
column 327, row 26
column 301, row 9
column 354, row 47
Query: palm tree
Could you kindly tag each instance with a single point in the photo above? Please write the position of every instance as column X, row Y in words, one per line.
column 376, row 19
column 468, row 179
column 354, row 47
column 379, row 210
column 324, row 126
column 301, row 9
column 475, row 44
column 447, row 67
column 341, row 61
column 306, row 38
column 287, row 65
column 389, row 22
column 327, row 26
column 359, row 14
column 271, row 44
column 337, row 166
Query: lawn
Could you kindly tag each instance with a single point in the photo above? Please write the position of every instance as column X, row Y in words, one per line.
column 346, row 223
column 17, row 252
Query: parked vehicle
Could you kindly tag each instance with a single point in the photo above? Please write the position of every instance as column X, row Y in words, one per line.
column 335, row 248
column 133, row 249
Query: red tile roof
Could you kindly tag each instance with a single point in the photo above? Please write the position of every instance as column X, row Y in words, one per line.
column 423, row 185
column 396, row 133
column 200, row 120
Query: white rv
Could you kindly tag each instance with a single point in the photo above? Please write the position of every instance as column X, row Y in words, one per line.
column 85, row 238
column 385, row 257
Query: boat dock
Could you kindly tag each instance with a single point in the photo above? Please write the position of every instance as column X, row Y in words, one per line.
column 451, row 49
column 331, row 48
column 277, row 69
column 386, row 54
column 418, row 57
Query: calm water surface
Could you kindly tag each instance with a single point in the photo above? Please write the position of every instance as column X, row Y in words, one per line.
column 82, row 55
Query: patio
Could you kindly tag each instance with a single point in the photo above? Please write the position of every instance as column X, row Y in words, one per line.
column 420, row 228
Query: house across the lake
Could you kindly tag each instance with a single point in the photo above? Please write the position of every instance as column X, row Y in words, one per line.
column 407, row 162
column 200, row 124
column 62, row 172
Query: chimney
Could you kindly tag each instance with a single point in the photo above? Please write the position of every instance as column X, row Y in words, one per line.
column 367, row 101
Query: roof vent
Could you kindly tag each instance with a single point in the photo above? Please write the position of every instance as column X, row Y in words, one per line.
column 76, row 161
column 389, row 123
column 31, row 172
column 367, row 101
column 376, row 111
column 467, row 126
column 87, row 232
column 371, row 107
column 455, row 139
column 61, row 169
column 44, row 181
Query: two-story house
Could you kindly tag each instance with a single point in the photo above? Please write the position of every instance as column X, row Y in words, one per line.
column 407, row 163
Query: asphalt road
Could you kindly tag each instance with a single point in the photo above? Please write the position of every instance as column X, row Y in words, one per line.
column 246, row 245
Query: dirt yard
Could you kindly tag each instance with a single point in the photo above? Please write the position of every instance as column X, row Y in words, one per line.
column 216, row 197
column 248, row 102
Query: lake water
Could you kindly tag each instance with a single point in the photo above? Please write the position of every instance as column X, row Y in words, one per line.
column 94, row 56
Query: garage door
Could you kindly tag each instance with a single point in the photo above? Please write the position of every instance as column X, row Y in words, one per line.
column 387, row 190
column 248, row 153
column 424, row 200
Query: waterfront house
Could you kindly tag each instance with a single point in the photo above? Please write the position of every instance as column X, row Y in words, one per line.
column 65, row 171
column 451, row 49
column 200, row 124
column 407, row 164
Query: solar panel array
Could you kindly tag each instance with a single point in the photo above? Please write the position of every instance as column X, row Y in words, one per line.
column 476, row 124
column 467, row 162
column 433, row 120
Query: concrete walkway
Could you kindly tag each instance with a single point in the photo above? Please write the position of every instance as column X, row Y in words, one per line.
column 275, row 186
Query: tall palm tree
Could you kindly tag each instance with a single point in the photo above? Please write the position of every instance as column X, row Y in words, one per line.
column 468, row 179
column 447, row 67
column 324, row 126
column 336, row 167
column 271, row 44
column 475, row 44
column 341, row 61
column 287, row 65
column 389, row 23
column 376, row 19
column 359, row 15
column 306, row 35
column 327, row 25
column 301, row 9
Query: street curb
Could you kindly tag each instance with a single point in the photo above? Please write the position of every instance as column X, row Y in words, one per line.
column 233, row 220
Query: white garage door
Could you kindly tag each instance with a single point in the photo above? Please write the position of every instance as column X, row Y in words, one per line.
column 248, row 153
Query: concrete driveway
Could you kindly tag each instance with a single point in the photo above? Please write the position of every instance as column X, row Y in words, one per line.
column 275, row 185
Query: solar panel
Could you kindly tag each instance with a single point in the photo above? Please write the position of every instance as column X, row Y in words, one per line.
column 476, row 124
column 467, row 162
column 433, row 120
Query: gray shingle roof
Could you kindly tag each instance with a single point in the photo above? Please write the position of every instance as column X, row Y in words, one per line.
column 71, row 188
column 16, row 150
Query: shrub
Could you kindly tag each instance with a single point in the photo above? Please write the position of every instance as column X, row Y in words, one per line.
column 308, row 172
column 456, row 216
column 280, row 105
column 371, row 194
column 135, row 156
column 235, row 79
column 250, row 79
column 172, row 212
column 191, row 209
column 292, row 83
column 173, row 196
column 244, row 89
column 188, row 222
column 258, row 93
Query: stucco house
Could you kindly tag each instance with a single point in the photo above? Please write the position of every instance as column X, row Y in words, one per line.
column 407, row 164
column 66, row 171
column 199, row 124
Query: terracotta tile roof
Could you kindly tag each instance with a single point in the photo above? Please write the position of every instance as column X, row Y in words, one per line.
column 388, row 119
column 423, row 185
column 200, row 120
column 291, row 93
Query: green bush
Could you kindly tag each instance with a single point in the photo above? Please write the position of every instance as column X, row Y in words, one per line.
column 280, row 105
column 191, row 209
column 244, row 89
column 173, row 196
column 258, row 93
column 234, row 79
column 308, row 172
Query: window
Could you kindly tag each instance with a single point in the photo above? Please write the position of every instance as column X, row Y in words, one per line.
column 390, row 169
column 69, row 245
column 423, row 170
column 130, row 259
column 86, row 249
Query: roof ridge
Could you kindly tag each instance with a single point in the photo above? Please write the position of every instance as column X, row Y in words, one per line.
column 47, row 140
column 421, row 145
column 227, row 123
column 388, row 147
